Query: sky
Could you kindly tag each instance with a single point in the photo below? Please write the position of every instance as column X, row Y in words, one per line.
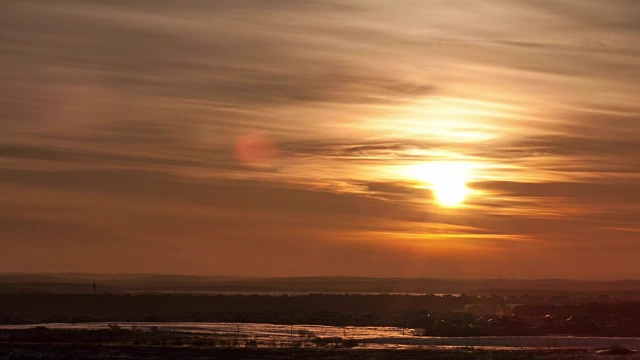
column 309, row 138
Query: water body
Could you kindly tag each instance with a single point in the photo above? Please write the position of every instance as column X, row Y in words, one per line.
column 369, row 336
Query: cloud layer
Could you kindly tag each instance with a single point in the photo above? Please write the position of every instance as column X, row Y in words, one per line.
column 120, row 124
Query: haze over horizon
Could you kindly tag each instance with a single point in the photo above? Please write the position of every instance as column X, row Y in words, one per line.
column 444, row 139
column 11, row 276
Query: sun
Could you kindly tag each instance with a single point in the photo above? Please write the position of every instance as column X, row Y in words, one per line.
column 449, row 189
column 447, row 180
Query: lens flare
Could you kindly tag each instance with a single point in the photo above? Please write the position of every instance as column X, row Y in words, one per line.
column 255, row 150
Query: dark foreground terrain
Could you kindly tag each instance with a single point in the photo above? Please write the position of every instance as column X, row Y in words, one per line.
column 117, row 343
column 67, row 351
column 435, row 315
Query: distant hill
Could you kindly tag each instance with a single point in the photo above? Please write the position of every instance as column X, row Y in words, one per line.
column 119, row 283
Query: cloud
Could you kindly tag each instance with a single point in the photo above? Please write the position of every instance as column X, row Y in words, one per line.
column 119, row 120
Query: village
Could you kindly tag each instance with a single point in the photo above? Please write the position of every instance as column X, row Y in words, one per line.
column 578, row 314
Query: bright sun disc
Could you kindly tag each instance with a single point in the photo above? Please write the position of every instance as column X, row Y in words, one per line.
column 449, row 191
column 446, row 179
column 449, row 183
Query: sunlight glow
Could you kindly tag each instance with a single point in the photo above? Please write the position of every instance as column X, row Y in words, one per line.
column 447, row 119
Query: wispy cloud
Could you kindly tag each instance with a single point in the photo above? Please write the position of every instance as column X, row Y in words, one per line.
column 120, row 121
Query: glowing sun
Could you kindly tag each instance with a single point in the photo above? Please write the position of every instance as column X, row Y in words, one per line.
column 448, row 183
column 447, row 180
column 450, row 190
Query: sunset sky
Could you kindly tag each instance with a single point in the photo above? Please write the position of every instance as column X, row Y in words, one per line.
column 295, row 138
